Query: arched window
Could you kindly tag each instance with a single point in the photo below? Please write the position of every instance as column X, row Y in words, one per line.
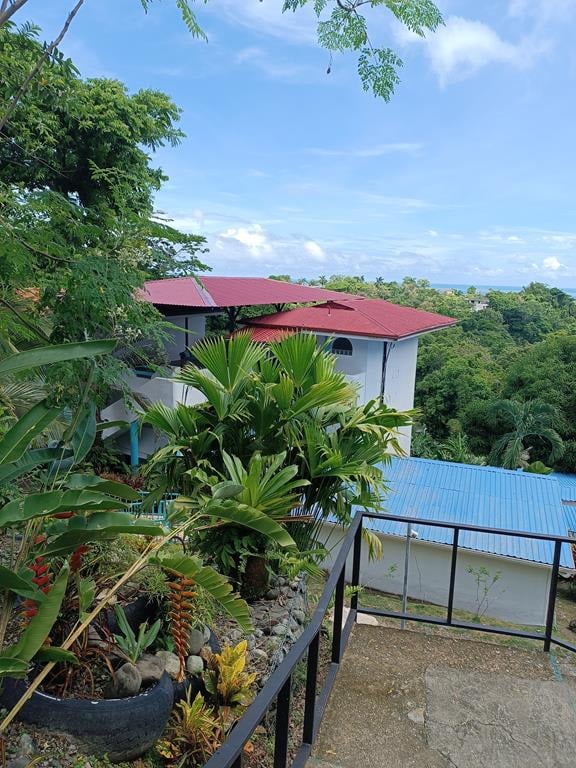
column 342, row 346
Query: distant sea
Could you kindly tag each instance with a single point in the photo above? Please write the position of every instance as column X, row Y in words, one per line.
column 485, row 288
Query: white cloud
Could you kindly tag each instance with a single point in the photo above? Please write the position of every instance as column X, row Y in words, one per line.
column 260, row 59
column 253, row 238
column 315, row 250
column 432, row 233
column 462, row 47
column 552, row 263
column 267, row 18
column 376, row 151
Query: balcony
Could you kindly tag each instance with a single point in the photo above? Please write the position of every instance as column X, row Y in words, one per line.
column 397, row 697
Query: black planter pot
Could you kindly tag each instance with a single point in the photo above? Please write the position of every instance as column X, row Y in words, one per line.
column 123, row 729
column 137, row 612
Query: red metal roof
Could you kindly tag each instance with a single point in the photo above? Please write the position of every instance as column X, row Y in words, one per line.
column 177, row 292
column 219, row 292
column 357, row 317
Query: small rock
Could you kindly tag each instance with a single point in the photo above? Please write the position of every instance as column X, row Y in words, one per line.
column 273, row 594
column 206, row 634
column 258, row 632
column 128, row 681
column 26, row 745
column 280, row 629
column 19, row 762
column 572, row 625
column 417, row 715
column 299, row 616
column 194, row 665
column 171, row 662
column 196, row 641
column 259, row 653
column 250, row 642
column 151, row 668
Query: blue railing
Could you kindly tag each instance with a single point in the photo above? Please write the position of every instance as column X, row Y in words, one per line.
column 158, row 511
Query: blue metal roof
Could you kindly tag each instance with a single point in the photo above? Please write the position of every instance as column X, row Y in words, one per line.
column 567, row 485
column 486, row 496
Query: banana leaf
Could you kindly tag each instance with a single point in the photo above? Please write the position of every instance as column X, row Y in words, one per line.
column 56, row 353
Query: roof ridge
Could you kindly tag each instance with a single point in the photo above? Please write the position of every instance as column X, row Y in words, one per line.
column 477, row 467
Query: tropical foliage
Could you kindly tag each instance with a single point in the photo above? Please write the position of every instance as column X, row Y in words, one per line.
column 522, row 348
column 281, row 423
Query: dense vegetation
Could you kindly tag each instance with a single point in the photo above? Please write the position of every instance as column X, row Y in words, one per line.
column 522, row 348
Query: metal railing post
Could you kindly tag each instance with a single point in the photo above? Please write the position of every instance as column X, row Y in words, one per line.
column 282, row 725
column 552, row 595
column 311, row 684
column 357, row 554
column 452, row 575
column 338, row 610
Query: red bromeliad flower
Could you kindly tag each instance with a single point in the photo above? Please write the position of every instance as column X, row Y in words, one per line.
column 76, row 559
column 42, row 578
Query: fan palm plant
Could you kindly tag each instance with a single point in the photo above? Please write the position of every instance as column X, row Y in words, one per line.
column 533, row 419
column 286, row 399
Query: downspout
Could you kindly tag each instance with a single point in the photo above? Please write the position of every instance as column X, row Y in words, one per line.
column 385, row 355
column 134, row 447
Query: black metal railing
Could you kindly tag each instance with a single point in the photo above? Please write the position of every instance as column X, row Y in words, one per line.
column 277, row 689
column 547, row 637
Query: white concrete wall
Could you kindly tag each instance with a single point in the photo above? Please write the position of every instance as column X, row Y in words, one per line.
column 180, row 340
column 518, row 596
column 401, row 381
column 157, row 389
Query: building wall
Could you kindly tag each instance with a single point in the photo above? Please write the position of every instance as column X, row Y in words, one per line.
column 179, row 340
column 364, row 368
column 400, row 381
column 518, row 596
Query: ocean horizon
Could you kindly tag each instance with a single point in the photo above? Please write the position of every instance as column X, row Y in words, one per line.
column 486, row 288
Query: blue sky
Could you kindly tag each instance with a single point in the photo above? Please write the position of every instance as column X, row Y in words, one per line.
column 467, row 176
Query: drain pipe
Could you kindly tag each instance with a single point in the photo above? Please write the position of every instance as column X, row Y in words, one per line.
column 410, row 534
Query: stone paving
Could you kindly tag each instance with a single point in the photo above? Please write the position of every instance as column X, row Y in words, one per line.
column 405, row 698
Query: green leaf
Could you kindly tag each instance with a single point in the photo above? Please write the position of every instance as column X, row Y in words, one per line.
column 111, row 487
column 29, row 461
column 213, row 582
column 10, row 581
column 70, row 540
column 51, row 653
column 244, row 516
column 10, row 667
column 53, row 502
column 57, row 353
column 32, row 424
column 41, row 624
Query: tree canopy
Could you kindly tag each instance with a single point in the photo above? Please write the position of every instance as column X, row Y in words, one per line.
column 521, row 348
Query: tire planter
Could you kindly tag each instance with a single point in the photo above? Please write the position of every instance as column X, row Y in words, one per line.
column 137, row 612
column 123, row 729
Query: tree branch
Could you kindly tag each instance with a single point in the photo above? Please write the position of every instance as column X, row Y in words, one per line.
column 41, row 61
column 6, row 12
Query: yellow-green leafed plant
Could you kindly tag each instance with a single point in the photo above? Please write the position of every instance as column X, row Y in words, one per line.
column 193, row 734
column 226, row 679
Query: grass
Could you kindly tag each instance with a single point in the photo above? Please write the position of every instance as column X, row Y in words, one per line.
column 565, row 613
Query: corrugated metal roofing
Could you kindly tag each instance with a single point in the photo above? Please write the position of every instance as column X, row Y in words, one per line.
column 567, row 485
column 210, row 291
column 357, row 317
column 486, row 496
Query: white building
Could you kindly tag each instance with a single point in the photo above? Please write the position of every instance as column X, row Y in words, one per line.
column 497, row 576
column 376, row 343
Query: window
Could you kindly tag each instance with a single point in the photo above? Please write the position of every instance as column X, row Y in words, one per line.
column 342, row 346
